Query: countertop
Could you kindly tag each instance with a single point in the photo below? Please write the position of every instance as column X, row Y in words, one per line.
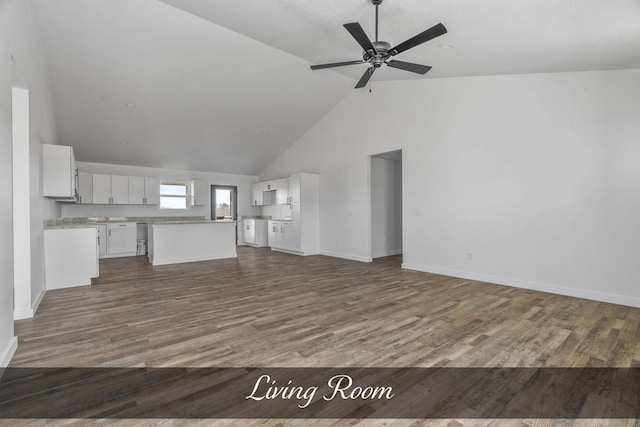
column 64, row 223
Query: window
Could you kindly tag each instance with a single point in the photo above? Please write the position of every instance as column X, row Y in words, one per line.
column 173, row 195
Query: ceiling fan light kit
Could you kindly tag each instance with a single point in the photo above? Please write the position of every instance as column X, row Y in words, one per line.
column 380, row 52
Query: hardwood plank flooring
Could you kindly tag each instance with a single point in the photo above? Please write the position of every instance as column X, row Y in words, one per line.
column 269, row 309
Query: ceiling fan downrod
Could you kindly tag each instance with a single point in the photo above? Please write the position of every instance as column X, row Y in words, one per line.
column 376, row 4
column 377, row 56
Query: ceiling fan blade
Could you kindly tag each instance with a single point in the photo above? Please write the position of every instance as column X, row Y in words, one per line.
column 361, row 37
column 365, row 77
column 433, row 32
column 409, row 66
column 336, row 64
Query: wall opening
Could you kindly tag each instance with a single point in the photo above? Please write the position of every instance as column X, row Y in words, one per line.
column 386, row 205
column 224, row 204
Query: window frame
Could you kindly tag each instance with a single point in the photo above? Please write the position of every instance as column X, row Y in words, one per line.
column 184, row 197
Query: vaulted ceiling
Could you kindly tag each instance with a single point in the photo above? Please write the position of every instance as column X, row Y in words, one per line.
column 225, row 85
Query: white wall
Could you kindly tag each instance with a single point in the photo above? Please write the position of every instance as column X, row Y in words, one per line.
column 20, row 39
column 533, row 177
column 386, row 207
column 243, row 182
column 30, row 72
column 7, row 339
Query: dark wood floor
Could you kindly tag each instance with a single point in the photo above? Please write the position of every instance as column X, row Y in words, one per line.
column 268, row 309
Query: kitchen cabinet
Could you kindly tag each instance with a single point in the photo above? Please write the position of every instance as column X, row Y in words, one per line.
column 199, row 193
column 70, row 257
column 249, row 231
column 151, row 190
column 256, row 194
column 101, row 189
column 85, row 187
column 119, row 190
column 110, row 189
column 281, row 237
column 59, row 173
column 301, row 235
column 254, row 232
column 273, row 235
column 121, row 239
column 295, row 182
column 274, row 192
column 136, row 190
column 282, row 191
column 144, row 190
column 102, row 240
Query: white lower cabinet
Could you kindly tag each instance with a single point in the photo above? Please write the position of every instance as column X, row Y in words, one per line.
column 102, row 240
column 249, row 231
column 281, row 236
column 120, row 240
column 254, row 232
column 70, row 257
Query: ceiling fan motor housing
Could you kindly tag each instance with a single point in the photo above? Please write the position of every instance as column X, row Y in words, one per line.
column 378, row 57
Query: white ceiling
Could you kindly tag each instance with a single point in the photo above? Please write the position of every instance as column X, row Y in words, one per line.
column 207, row 98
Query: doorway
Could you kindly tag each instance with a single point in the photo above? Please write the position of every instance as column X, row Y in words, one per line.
column 224, row 204
column 386, row 207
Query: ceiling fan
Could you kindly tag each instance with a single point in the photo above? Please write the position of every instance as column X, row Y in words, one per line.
column 380, row 52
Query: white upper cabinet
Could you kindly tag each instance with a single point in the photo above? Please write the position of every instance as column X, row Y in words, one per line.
column 295, row 183
column 136, row 190
column 274, row 192
column 282, row 191
column 110, row 189
column 151, row 190
column 119, row 190
column 59, row 173
column 199, row 193
column 144, row 190
column 256, row 194
column 101, row 189
column 85, row 187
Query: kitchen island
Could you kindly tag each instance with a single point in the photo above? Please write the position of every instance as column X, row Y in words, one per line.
column 175, row 242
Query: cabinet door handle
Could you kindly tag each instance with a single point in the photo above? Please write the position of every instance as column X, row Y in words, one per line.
column 109, row 233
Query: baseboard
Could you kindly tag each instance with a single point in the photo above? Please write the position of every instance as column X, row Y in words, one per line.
column 38, row 300
column 28, row 313
column 180, row 260
column 120, row 255
column 534, row 286
column 390, row 252
column 346, row 256
column 8, row 352
column 24, row 313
